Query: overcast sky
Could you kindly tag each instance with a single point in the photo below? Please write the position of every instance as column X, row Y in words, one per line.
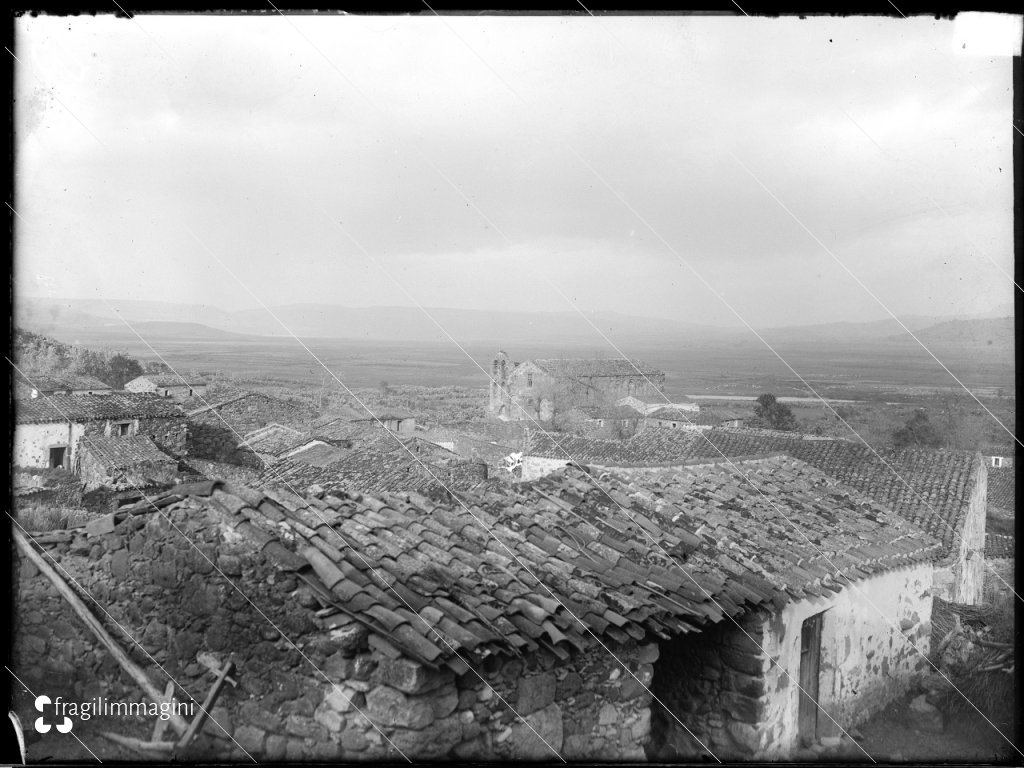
column 496, row 162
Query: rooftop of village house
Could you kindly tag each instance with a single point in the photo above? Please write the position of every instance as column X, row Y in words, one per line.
column 722, row 548
column 58, row 383
column 121, row 452
column 1001, row 490
column 928, row 487
column 999, row 545
column 116, row 405
column 703, row 417
column 170, row 380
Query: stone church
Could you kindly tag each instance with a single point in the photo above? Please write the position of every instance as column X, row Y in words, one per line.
column 544, row 388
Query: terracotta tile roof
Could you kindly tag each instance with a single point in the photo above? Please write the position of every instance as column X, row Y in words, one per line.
column 706, row 417
column 391, row 561
column 79, row 408
column 1000, row 546
column 939, row 481
column 316, row 453
column 505, row 433
column 384, row 414
column 272, row 439
column 123, row 452
column 60, row 383
column 170, row 380
column 578, row 368
column 1002, row 491
column 614, row 412
column 366, row 469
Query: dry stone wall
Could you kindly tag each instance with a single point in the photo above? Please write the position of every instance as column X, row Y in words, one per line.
column 346, row 696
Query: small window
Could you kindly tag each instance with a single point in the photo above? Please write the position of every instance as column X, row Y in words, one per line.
column 997, row 461
column 674, row 425
column 122, row 429
column 529, row 379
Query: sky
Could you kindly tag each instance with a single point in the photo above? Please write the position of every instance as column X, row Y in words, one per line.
column 716, row 170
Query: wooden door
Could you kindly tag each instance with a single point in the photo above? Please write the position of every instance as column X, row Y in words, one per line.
column 810, row 661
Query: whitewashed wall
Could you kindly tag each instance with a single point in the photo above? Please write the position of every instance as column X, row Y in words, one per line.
column 32, row 442
column 869, row 635
column 538, row 466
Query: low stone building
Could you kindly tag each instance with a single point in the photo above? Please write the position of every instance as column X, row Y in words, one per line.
column 384, row 465
column 168, row 385
column 216, row 430
column 32, row 386
column 399, row 421
column 271, row 441
column 123, row 462
column 615, row 422
column 531, row 623
column 943, row 492
column 50, row 430
column 704, row 419
column 543, row 388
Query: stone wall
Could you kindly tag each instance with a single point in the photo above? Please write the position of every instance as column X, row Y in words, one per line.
column 310, row 691
column 169, row 434
column 255, row 411
column 216, row 442
column 539, row 466
column 999, row 575
column 742, row 702
column 33, row 441
column 712, row 685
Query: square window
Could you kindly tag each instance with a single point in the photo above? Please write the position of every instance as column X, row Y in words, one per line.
column 122, row 430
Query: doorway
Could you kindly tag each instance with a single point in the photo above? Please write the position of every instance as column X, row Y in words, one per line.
column 810, row 667
column 57, row 456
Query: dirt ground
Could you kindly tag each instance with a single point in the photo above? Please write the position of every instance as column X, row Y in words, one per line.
column 967, row 738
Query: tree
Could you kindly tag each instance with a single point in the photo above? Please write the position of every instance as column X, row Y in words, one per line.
column 773, row 414
column 917, row 432
column 121, row 369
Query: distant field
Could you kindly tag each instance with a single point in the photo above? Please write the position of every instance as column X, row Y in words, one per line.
column 862, row 370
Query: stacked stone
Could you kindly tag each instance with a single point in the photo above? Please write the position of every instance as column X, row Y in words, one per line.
column 716, row 689
column 348, row 695
column 217, row 442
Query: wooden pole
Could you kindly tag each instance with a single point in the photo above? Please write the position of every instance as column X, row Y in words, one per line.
column 134, row 671
column 204, row 711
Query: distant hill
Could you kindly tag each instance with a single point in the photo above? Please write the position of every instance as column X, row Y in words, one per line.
column 165, row 329
column 988, row 332
column 183, row 322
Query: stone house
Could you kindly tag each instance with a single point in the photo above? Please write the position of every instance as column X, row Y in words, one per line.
column 943, row 492
column 396, row 420
column 413, row 465
column 44, row 386
column 123, row 462
column 646, row 408
column 168, row 385
column 50, row 430
column 704, row 419
column 1000, row 462
column 216, row 430
column 615, row 422
column 544, row 388
column 534, row 626
column 271, row 441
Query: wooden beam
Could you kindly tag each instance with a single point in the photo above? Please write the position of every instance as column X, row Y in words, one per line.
column 146, row 747
column 134, row 671
column 211, row 699
column 161, row 724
